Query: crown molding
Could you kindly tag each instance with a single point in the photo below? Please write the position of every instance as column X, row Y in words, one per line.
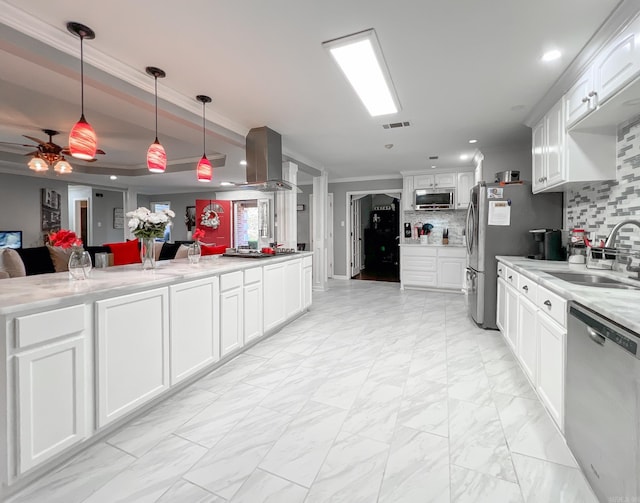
column 61, row 40
column 391, row 176
column 625, row 12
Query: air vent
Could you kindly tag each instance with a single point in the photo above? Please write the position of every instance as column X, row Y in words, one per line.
column 394, row 125
column 433, row 157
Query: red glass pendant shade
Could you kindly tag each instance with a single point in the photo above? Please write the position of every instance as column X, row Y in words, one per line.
column 83, row 142
column 204, row 170
column 156, row 158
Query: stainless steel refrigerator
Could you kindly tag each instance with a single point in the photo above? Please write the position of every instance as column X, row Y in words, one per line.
column 498, row 222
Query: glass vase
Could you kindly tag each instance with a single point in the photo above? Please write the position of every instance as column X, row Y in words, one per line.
column 79, row 263
column 194, row 252
column 147, row 253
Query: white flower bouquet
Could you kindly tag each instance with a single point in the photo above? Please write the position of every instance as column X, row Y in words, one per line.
column 144, row 223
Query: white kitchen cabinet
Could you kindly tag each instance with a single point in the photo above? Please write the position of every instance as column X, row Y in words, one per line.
column 527, row 337
column 252, row 304
column 577, row 101
column 424, row 181
column 538, row 159
column 51, row 388
column 432, row 267
column 466, row 181
column 550, row 370
column 408, row 193
column 231, row 312
column 554, row 132
column 132, row 352
column 273, row 295
column 511, row 315
column 307, row 272
column 618, row 63
column 445, row 180
column 292, row 288
column 560, row 158
column 194, row 327
column 451, row 272
column 501, row 305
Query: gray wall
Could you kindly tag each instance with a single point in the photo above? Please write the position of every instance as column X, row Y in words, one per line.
column 20, row 205
column 517, row 157
column 340, row 214
column 102, row 216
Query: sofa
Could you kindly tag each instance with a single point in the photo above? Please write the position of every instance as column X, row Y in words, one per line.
column 49, row 259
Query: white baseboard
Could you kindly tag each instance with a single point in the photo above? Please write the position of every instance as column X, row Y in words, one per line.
column 339, row 276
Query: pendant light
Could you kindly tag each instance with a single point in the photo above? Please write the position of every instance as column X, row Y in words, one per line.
column 204, row 169
column 156, row 156
column 82, row 138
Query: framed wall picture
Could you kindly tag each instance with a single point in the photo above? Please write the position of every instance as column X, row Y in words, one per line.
column 50, row 216
column 190, row 217
column 118, row 218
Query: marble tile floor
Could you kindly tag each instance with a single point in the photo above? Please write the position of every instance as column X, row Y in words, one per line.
column 375, row 395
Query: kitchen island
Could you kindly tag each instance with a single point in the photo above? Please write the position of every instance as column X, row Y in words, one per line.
column 79, row 358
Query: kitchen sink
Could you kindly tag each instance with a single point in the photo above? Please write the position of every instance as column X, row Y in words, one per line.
column 592, row 280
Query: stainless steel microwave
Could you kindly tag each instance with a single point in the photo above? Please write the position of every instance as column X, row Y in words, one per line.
column 434, row 199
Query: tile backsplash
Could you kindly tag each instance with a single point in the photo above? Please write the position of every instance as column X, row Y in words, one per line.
column 454, row 220
column 598, row 207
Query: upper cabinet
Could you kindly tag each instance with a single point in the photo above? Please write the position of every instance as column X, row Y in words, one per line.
column 460, row 181
column 561, row 158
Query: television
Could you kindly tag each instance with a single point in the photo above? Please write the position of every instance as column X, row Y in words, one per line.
column 10, row 239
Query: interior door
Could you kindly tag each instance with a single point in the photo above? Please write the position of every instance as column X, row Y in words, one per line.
column 356, row 236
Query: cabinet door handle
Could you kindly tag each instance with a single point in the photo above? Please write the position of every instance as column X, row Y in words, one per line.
column 547, row 303
column 585, row 99
column 592, row 94
column 525, row 288
column 510, row 278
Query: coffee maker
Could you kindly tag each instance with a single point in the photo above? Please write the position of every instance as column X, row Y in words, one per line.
column 549, row 244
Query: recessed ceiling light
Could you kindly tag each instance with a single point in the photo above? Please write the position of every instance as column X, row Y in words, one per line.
column 464, row 157
column 226, row 184
column 360, row 58
column 433, row 167
column 243, row 163
column 551, row 55
column 113, row 177
column 388, row 146
column 473, row 141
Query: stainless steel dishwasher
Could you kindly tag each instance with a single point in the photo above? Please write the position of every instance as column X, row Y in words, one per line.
column 602, row 424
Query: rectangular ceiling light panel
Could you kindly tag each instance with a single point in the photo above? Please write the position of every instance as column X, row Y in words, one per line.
column 360, row 58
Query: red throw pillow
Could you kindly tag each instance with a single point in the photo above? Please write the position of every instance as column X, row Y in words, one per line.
column 125, row 253
column 213, row 250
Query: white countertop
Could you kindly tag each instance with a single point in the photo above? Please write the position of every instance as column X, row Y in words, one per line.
column 619, row 305
column 45, row 290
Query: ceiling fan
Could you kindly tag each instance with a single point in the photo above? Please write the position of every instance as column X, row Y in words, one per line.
column 48, row 152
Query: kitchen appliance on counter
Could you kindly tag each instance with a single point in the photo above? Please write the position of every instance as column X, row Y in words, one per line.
column 507, row 176
column 499, row 217
column 434, row 199
column 602, row 423
column 549, row 244
column 407, row 230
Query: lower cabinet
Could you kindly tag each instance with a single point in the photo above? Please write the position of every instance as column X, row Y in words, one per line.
column 51, row 384
column 450, row 272
column 132, row 352
column 273, row 295
column 307, row 273
column 292, row 288
column 231, row 312
column 501, row 305
column 51, row 398
column 528, row 338
column 432, row 267
column 550, row 370
column 195, row 341
column 253, row 304
column 511, row 322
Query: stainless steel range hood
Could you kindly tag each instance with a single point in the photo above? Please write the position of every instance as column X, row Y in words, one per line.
column 264, row 161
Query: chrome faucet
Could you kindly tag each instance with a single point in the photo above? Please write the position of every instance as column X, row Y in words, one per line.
column 614, row 233
column 611, row 239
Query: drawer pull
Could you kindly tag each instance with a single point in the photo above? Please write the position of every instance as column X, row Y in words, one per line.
column 547, row 303
column 510, row 278
column 525, row 288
